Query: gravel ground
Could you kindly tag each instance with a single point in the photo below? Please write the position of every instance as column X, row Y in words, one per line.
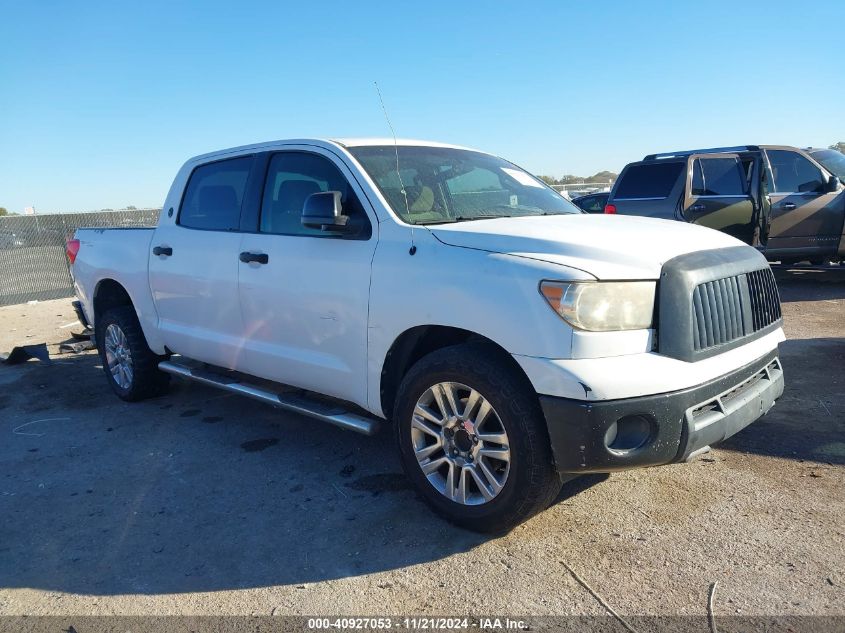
column 202, row 503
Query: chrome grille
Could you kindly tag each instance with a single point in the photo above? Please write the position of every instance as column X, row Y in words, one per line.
column 718, row 316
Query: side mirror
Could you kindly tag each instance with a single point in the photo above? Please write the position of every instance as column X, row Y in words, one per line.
column 832, row 184
column 323, row 211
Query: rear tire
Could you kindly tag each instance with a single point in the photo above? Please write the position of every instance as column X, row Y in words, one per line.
column 130, row 366
column 466, row 478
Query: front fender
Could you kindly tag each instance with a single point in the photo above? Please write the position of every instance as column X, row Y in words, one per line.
column 494, row 295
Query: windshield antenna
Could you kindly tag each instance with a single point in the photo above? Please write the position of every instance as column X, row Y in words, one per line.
column 413, row 248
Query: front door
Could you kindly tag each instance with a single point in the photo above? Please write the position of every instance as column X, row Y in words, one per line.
column 718, row 195
column 304, row 293
column 806, row 218
column 194, row 265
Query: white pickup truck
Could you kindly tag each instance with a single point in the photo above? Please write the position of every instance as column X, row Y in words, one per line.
column 512, row 340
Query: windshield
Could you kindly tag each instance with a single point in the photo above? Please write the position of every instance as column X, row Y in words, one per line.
column 832, row 160
column 454, row 185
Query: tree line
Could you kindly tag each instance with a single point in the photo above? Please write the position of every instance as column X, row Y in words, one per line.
column 570, row 179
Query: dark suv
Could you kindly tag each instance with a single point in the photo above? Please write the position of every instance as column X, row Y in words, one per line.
column 783, row 200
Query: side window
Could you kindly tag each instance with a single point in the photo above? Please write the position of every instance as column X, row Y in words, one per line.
column 597, row 204
column 594, row 204
column 718, row 177
column 649, row 180
column 291, row 178
column 748, row 171
column 214, row 195
column 697, row 179
column 793, row 173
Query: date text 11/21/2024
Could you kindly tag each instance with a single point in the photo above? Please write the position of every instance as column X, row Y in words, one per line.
column 417, row 623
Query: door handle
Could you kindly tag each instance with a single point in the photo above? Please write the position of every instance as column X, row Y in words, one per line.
column 698, row 207
column 258, row 258
column 167, row 251
column 788, row 206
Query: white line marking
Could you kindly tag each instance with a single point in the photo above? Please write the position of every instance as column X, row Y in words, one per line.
column 17, row 429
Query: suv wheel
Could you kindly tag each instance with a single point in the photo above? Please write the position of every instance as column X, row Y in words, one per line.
column 473, row 440
column 130, row 365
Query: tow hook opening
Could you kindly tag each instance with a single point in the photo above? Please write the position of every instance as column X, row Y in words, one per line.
column 629, row 433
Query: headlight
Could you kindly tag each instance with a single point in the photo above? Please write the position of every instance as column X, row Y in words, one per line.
column 602, row 306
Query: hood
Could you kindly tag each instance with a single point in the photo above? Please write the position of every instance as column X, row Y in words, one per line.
column 605, row 246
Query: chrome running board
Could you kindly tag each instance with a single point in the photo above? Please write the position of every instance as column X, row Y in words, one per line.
column 295, row 402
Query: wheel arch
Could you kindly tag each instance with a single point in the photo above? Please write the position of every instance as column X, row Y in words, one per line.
column 416, row 342
column 108, row 294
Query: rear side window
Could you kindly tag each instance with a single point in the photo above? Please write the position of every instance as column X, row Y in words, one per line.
column 649, row 180
column 718, row 177
column 793, row 173
column 214, row 195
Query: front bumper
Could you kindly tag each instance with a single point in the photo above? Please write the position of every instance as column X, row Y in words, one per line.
column 588, row 437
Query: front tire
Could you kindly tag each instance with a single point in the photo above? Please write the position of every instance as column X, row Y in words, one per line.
column 473, row 440
column 130, row 366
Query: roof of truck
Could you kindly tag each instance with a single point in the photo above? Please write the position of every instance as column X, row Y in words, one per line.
column 376, row 141
column 320, row 142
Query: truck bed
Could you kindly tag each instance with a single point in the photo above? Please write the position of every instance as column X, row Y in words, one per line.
column 114, row 253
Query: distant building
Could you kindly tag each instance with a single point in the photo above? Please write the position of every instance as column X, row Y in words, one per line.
column 29, row 211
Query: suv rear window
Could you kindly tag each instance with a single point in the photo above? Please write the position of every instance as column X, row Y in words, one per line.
column 214, row 195
column 649, row 180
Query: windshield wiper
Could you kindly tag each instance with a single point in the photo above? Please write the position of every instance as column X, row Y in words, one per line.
column 468, row 218
column 427, row 222
column 462, row 218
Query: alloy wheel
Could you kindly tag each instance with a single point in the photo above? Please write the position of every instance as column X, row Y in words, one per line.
column 460, row 443
column 118, row 356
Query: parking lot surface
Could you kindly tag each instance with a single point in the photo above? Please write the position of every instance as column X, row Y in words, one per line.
column 198, row 502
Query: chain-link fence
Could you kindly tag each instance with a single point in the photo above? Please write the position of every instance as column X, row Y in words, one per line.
column 33, row 264
column 575, row 189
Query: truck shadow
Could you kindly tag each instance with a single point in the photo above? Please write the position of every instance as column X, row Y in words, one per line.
column 808, row 422
column 195, row 491
column 810, row 284
column 201, row 491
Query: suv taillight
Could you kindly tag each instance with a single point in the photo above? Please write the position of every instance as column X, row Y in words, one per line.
column 610, row 208
column 71, row 250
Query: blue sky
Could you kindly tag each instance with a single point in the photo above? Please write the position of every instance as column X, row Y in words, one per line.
column 100, row 102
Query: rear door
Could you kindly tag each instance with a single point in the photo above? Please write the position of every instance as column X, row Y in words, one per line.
column 805, row 218
column 651, row 188
column 718, row 195
column 305, row 293
column 193, row 269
